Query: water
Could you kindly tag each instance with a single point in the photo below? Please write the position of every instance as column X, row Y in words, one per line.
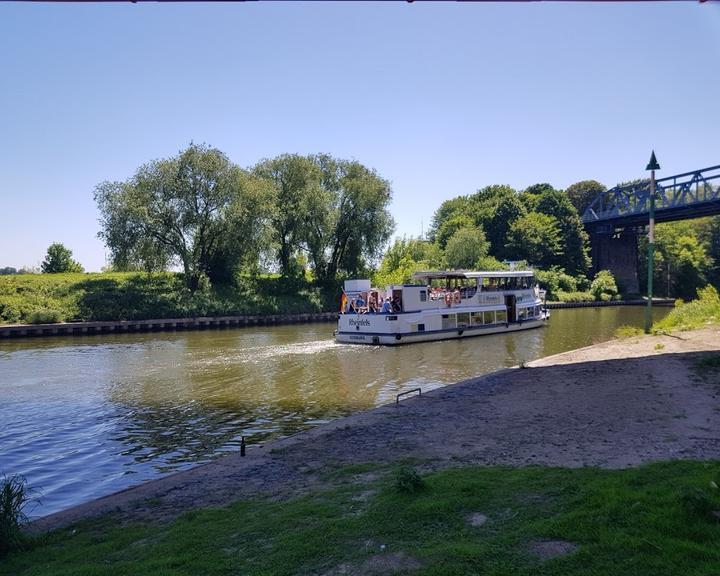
column 83, row 417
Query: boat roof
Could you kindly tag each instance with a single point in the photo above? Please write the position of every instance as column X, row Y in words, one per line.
column 472, row 274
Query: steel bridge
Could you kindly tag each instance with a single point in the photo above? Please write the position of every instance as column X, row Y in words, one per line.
column 688, row 195
column 615, row 217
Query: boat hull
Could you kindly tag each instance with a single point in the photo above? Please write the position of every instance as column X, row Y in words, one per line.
column 396, row 339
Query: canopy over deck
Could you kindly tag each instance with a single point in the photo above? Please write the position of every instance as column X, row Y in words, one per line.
column 470, row 274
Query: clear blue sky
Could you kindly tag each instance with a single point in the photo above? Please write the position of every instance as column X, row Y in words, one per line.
column 440, row 98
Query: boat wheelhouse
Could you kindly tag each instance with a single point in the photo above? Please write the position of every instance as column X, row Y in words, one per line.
column 441, row 306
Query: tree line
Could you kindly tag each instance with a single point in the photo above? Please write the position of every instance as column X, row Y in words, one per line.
column 215, row 219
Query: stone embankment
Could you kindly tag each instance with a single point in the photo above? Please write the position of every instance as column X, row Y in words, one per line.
column 158, row 325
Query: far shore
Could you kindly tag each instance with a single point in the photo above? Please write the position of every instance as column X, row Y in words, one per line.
column 214, row 322
column 613, row 405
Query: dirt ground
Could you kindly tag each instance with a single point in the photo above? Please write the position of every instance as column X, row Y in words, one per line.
column 616, row 404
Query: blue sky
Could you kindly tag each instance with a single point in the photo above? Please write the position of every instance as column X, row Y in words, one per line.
column 440, row 98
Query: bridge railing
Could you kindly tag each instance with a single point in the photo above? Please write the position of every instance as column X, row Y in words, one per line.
column 675, row 191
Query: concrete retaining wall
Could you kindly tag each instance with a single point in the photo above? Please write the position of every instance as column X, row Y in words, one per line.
column 169, row 324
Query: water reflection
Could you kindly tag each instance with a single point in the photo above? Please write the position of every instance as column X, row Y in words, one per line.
column 82, row 417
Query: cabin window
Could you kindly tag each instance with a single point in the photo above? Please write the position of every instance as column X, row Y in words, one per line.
column 421, row 327
column 489, row 317
column 501, row 316
column 423, row 295
column 531, row 312
column 522, row 313
column 476, row 318
column 463, row 319
column 448, row 321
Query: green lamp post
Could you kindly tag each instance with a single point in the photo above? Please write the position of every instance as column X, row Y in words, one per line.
column 652, row 166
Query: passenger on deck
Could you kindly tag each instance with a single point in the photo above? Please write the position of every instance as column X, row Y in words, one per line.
column 386, row 307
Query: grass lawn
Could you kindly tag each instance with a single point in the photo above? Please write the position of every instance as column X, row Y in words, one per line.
column 654, row 520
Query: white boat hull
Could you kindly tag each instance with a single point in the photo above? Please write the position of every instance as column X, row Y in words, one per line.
column 376, row 339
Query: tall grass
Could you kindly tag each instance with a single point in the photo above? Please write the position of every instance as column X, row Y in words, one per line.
column 14, row 496
column 695, row 314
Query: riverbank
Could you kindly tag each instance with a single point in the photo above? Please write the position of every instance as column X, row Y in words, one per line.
column 616, row 404
column 214, row 322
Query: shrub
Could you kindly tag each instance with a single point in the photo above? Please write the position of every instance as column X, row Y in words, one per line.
column 46, row 317
column 604, row 285
column 408, row 481
column 575, row 296
column 14, row 496
column 628, row 332
column 555, row 281
column 695, row 314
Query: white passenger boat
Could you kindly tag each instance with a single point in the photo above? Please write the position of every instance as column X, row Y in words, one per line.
column 441, row 306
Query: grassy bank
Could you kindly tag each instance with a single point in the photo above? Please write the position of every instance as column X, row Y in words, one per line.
column 695, row 314
column 657, row 519
column 42, row 298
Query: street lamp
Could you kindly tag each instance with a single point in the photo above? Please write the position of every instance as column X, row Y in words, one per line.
column 652, row 166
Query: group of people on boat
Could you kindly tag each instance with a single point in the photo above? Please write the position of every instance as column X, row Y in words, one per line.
column 375, row 304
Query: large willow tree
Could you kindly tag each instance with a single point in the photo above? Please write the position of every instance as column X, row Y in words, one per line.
column 333, row 211
column 196, row 209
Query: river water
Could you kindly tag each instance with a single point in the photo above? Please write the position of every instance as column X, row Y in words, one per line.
column 82, row 417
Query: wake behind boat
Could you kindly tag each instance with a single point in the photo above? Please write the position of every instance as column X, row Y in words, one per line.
column 443, row 305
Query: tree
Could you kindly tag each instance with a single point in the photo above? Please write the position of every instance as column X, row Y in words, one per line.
column 293, row 179
column 59, row 259
column 573, row 238
column 681, row 259
column 196, row 208
column 581, row 194
column 405, row 257
column 603, row 287
column 536, row 238
column 507, row 211
column 345, row 219
column 466, row 248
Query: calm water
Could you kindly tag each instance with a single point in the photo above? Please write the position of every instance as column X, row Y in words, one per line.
column 84, row 417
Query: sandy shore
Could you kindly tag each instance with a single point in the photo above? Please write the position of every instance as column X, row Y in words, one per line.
column 616, row 404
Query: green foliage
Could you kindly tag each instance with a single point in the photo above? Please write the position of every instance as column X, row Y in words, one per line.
column 582, row 193
column 703, row 311
column 535, row 238
column 466, row 248
column 405, row 257
column 14, row 497
column 196, row 208
column 140, row 296
column 573, row 255
column 624, row 332
column 448, row 228
column 575, row 296
column 46, row 317
column 408, row 481
column 59, row 260
column 603, row 287
column 641, row 521
column 682, row 263
column 555, row 280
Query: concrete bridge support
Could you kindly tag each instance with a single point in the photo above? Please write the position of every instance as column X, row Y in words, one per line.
column 617, row 252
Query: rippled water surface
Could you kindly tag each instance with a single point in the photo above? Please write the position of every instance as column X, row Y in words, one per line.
column 82, row 417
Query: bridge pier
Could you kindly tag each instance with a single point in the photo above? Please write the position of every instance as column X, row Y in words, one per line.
column 617, row 252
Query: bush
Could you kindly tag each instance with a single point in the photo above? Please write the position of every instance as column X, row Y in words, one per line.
column 46, row 317
column 14, row 496
column 701, row 312
column 603, row 287
column 575, row 296
column 555, row 280
column 628, row 332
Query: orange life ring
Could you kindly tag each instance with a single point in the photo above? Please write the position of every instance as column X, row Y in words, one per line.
column 457, row 297
column 448, row 298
